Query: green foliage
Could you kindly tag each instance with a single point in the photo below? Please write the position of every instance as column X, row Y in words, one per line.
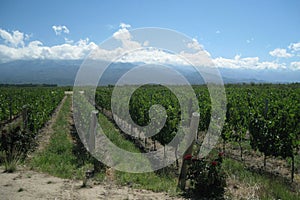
column 150, row 181
column 274, row 130
column 14, row 145
column 18, row 138
column 114, row 136
column 40, row 101
column 269, row 187
column 58, row 157
column 206, row 176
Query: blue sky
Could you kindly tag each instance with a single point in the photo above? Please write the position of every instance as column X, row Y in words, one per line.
column 229, row 30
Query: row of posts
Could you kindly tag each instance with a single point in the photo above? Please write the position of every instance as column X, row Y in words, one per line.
column 183, row 172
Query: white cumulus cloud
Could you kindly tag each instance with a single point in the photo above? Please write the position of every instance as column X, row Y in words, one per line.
column 15, row 39
column 281, row 53
column 122, row 34
column 16, row 48
column 196, row 56
column 295, row 46
column 69, row 41
column 123, row 25
column 194, row 45
column 125, row 37
column 295, row 65
column 60, row 29
column 246, row 63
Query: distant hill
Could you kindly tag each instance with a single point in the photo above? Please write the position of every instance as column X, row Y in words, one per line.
column 39, row 71
column 266, row 75
column 63, row 72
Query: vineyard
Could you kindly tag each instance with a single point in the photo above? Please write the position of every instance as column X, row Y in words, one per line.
column 38, row 102
column 265, row 116
column 24, row 111
column 261, row 120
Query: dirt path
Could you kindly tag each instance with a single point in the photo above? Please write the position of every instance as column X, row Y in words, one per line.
column 27, row 185
column 44, row 134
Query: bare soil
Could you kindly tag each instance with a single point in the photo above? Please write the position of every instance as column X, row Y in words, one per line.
column 44, row 134
column 27, row 185
column 274, row 166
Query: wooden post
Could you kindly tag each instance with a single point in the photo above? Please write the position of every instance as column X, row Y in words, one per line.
column 176, row 157
column 132, row 131
column 139, row 133
column 92, row 138
column 190, row 105
column 92, row 131
column 193, row 131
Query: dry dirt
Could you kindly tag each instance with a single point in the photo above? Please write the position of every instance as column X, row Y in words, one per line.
column 27, row 185
column 45, row 133
column 274, row 166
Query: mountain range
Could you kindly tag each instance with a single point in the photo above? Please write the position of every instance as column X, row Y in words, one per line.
column 63, row 72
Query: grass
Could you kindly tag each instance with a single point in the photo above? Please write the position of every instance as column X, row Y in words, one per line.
column 58, row 157
column 59, row 160
column 14, row 145
column 115, row 136
column 297, row 161
column 270, row 188
column 10, row 164
column 149, row 180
